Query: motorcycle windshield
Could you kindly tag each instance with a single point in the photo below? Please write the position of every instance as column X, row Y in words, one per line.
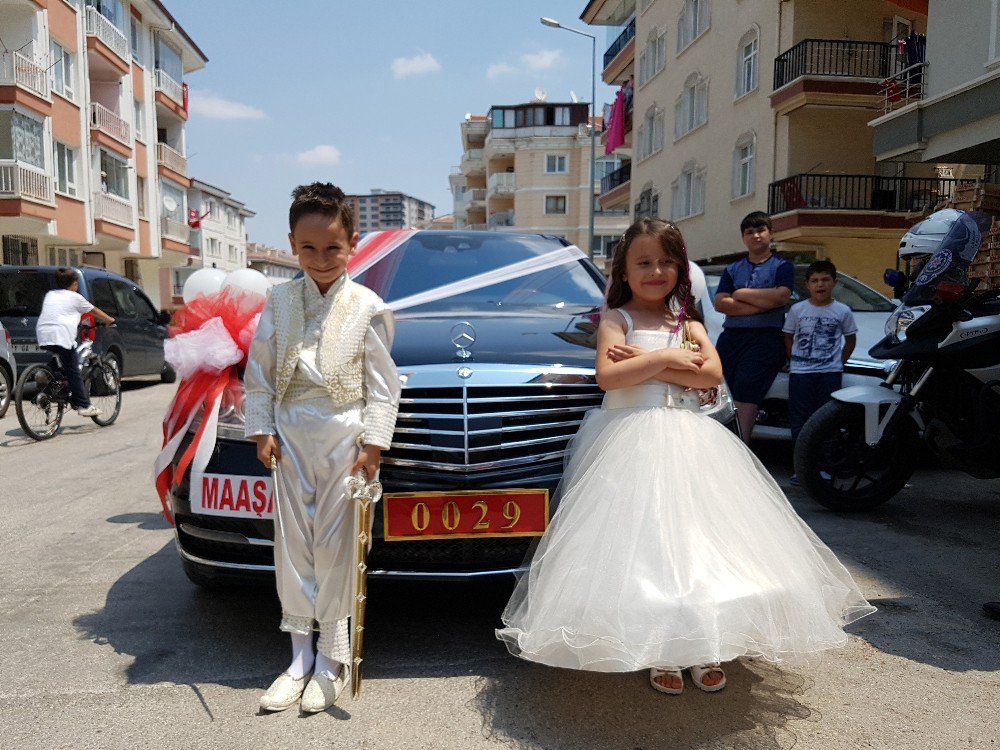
column 950, row 264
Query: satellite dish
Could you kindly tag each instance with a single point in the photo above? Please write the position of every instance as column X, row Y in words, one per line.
column 573, row 97
column 169, row 203
column 540, row 94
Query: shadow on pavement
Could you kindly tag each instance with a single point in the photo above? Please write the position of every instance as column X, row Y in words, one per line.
column 144, row 521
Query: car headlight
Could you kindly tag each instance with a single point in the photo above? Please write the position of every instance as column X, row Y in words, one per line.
column 901, row 319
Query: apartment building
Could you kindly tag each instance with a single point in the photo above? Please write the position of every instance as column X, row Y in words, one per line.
column 526, row 167
column 278, row 265
column 93, row 106
column 952, row 111
column 764, row 105
column 384, row 209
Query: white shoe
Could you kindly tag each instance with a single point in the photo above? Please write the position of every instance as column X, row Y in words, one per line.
column 89, row 411
column 322, row 692
column 284, row 692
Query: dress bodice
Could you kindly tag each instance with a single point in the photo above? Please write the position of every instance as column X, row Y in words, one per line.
column 650, row 393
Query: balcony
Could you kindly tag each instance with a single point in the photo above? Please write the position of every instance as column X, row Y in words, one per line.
column 501, row 219
column 21, row 180
column 838, row 58
column 906, row 87
column 102, row 29
column 619, row 177
column 472, row 161
column 501, row 183
column 174, row 230
column 110, row 207
column 20, row 71
column 627, row 35
column 850, row 192
column 107, row 122
column 173, row 90
column 171, row 159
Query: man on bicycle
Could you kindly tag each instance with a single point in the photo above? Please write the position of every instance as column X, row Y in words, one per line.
column 56, row 332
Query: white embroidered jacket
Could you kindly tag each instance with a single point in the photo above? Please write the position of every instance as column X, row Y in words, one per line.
column 342, row 338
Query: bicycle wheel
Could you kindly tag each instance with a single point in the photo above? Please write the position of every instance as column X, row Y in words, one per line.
column 39, row 401
column 110, row 404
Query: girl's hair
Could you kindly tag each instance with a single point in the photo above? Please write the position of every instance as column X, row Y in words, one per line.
column 680, row 300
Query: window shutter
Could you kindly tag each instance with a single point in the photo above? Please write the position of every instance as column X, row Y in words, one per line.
column 658, row 132
column 701, row 102
column 675, row 200
column 679, row 119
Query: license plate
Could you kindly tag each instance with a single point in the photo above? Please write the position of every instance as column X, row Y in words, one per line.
column 232, row 495
column 464, row 515
column 26, row 348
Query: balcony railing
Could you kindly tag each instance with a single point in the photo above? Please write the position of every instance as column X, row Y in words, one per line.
column 475, row 195
column 619, row 177
column 501, row 182
column 502, row 219
column 18, row 70
column 171, row 159
column 857, row 192
column 20, row 180
column 473, row 154
column 836, row 57
column 169, row 86
column 174, row 230
column 100, row 27
column 907, row 86
column 106, row 121
column 627, row 35
column 111, row 207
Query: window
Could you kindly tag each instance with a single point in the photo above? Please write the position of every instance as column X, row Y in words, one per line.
column 64, row 161
column 140, row 189
column 115, row 177
column 650, row 136
column 994, row 58
column 135, row 29
column 555, row 164
column 555, row 204
column 61, row 70
column 648, row 205
column 605, row 165
column 125, row 296
column 113, row 10
column 214, row 211
column 653, row 57
column 233, row 256
column 604, row 245
column 172, row 202
column 691, row 107
column 168, row 60
column 746, row 78
column 230, row 218
column 140, row 120
column 562, row 116
column 743, row 164
column 688, row 193
column 694, row 21
column 214, row 248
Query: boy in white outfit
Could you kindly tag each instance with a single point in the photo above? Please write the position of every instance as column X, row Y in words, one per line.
column 322, row 393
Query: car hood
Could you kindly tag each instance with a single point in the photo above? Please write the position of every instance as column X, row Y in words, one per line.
column 536, row 337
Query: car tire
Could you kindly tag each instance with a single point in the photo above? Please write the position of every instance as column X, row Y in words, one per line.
column 167, row 375
column 6, row 390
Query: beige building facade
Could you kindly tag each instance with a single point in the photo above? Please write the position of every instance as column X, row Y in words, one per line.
column 93, row 107
column 765, row 105
column 526, row 168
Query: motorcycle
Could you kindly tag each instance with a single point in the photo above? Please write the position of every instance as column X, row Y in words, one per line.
column 942, row 395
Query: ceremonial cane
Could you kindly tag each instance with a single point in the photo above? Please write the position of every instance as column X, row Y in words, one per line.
column 365, row 494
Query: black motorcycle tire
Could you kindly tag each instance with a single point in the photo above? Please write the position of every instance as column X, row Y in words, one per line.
column 831, row 452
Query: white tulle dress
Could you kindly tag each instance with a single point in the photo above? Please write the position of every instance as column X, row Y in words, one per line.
column 673, row 546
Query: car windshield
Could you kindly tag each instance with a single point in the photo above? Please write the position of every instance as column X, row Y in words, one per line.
column 856, row 295
column 22, row 293
column 429, row 261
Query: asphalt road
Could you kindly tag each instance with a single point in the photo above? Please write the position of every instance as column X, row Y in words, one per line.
column 105, row 644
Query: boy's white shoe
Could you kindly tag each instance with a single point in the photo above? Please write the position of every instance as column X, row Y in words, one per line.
column 89, row 411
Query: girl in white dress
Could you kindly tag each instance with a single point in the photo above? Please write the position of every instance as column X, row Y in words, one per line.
column 672, row 547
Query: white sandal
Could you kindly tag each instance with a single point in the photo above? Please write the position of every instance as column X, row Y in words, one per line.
column 655, row 672
column 698, row 675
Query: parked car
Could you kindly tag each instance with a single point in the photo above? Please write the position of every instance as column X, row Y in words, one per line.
column 135, row 342
column 496, row 380
column 871, row 310
column 8, row 370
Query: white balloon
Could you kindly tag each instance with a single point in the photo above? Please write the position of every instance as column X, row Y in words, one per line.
column 203, row 281
column 249, row 280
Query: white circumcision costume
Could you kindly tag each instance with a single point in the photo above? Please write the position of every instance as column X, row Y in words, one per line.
column 320, row 377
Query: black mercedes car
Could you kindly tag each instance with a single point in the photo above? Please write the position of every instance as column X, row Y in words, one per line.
column 495, row 338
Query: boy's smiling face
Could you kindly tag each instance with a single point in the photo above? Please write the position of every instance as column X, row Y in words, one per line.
column 322, row 247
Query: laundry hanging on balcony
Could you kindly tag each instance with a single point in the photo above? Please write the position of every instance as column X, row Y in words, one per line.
column 615, row 136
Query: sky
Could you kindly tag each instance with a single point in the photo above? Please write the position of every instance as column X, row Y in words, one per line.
column 364, row 94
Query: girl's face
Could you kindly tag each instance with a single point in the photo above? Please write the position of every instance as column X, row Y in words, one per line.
column 650, row 273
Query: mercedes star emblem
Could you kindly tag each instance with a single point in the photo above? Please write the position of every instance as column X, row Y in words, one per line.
column 463, row 335
column 464, row 372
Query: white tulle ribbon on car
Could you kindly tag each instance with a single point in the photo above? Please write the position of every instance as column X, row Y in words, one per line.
column 209, row 348
column 560, row 257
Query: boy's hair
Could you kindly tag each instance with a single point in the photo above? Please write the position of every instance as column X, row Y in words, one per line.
column 755, row 219
column 821, row 266
column 65, row 277
column 321, row 198
column 670, row 239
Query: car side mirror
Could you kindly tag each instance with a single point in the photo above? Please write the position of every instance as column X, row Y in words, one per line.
column 163, row 318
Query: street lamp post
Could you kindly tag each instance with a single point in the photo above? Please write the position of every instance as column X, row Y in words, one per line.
column 593, row 121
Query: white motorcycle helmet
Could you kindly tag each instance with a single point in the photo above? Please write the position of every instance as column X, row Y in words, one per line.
column 925, row 237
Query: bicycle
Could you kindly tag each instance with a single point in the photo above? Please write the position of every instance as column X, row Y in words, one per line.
column 42, row 393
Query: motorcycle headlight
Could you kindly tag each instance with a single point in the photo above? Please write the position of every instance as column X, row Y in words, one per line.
column 899, row 321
